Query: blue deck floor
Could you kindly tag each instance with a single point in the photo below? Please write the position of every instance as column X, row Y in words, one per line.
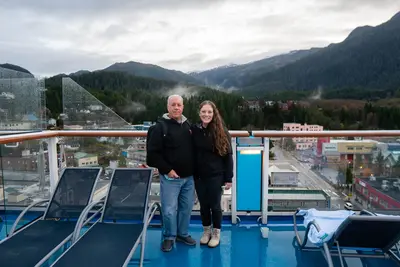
column 240, row 246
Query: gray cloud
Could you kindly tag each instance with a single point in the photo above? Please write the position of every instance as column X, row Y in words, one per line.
column 40, row 60
column 190, row 59
column 50, row 37
column 114, row 31
column 272, row 20
column 101, row 7
column 349, row 5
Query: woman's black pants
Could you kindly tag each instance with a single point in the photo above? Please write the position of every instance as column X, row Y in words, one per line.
column 209, row 192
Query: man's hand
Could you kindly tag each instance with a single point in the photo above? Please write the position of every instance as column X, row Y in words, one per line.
column 228, row 186
column 172, row 174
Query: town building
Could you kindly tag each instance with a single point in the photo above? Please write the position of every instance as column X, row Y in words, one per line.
column 283, row 174
column 342, row 153
column 83, row 159
column 303, row 143
column 378, row 192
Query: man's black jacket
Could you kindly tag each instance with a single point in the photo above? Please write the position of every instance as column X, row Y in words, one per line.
column 173, row 151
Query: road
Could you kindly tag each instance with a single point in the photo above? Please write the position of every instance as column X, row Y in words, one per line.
column 307, row 178
column 330, row 174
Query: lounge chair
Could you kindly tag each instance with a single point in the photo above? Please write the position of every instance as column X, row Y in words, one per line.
column 396, row 248
column 1, row 222
column 34, row 243
column 333, row 231
column 122, row 227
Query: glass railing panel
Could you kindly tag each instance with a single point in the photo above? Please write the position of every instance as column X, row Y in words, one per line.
column 25, row 172
column 3, row 226
column 377, row 177
column 25, row 178
column 22, row 103
column 82, row 110
column 297, row 165
column 363, row 171
column 90, row 152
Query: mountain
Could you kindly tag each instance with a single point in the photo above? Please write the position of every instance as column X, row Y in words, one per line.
column 368, row 58
column 79, row 72
column 237, row 75
column 16, row 68
column 152, row 71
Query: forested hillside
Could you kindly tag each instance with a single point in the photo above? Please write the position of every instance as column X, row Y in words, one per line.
column 151, row 71
column 118, row 91
column 368, row 59
column 238, row 75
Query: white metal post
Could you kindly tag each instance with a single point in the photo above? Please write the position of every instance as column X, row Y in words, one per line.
column 265, row 180
column 233, row 189
column 53, row 162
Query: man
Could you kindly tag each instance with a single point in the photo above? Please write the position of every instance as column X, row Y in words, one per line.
column 172, row 156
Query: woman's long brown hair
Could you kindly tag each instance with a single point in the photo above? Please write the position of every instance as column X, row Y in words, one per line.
column 217, row 129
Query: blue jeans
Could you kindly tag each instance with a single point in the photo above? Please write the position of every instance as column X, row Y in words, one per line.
column 177, row 200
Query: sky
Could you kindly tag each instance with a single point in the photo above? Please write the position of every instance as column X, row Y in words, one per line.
column 50, row 37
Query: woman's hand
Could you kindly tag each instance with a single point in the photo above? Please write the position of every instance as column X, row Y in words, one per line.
column 228, row 186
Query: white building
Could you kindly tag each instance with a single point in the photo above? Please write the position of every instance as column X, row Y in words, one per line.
column 283, row 174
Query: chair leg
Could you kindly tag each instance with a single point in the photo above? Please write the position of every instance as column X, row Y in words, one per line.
column 142, row 247
column 397, row 249
column 328, row 256
column 340, row 254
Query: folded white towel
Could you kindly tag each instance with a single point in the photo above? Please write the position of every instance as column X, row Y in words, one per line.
column 328, row 221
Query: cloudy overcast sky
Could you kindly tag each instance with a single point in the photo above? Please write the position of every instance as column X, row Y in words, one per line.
column 50, row 36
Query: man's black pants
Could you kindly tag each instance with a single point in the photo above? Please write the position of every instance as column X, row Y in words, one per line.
column 209, row 193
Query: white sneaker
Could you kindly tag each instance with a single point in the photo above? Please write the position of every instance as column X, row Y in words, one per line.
column 205, row 238
column 214, row 238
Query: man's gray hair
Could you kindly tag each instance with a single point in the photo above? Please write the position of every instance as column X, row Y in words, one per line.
column 173, row 96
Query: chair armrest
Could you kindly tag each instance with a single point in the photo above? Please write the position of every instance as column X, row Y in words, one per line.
column 151, row 211
column 296, row 232
column 302, row 243
column 21, row 215
column 82, row 218
column 367, row 212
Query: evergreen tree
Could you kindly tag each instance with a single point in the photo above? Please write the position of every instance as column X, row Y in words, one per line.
column 349, row 176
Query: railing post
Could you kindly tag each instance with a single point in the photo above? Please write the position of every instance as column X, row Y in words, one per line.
column 265, row 181
column 53, row 162
column 233, row 190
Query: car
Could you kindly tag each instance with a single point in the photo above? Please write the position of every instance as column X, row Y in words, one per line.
column 348, row 205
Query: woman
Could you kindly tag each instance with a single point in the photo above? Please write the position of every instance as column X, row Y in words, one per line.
column 213, row 169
